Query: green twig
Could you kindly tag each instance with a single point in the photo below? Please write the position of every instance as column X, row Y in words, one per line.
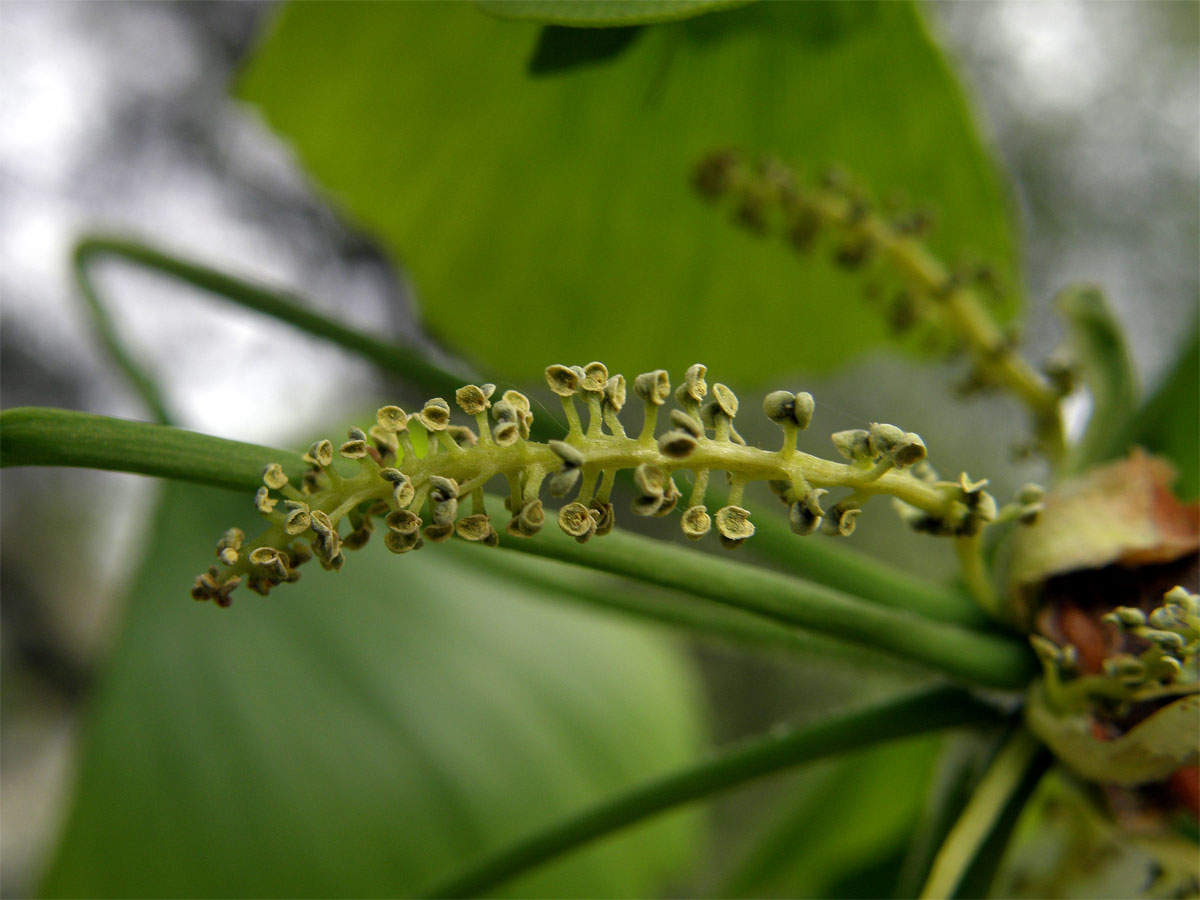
column 1007, row 784
column 930, row 710
column 406, row 362
column 34, row 436
column 991, row 660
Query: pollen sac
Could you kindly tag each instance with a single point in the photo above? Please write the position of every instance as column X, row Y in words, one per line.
column 696, row 522
column 435, row 415
column 670, row 497
column 614, row 392
column 841, row 519
column 402, row 542
column 571, row 456
column 320, row 453
column 646, row 504
column 356, row 447
column 298, row 518
column 517, row 401
column 263, row 502
column 385, row 440
column 562, row 481
column 475, row 527
column 403, row 491
column 650, row 479
column 694, row 387
column 271, row 561
column 725, row 400
column 733, row 523
column 228, row 546
column 901, row 448
column 528, row 521
column 575, row 520
column 403, row 521
column 274, row 477
column 472, row 400
column 444, row 513
column 653, row 387
column 804, row 516
column 603, row 515
column 685, row 422
column 437, row 533
column 442, row 489
column 392, row 418
column 462, row 435
column 357, row 539
column 320, row 522
column 786, row 408
column 677, row 444
column 595, row 377
column 562, row 380
column 853, row 444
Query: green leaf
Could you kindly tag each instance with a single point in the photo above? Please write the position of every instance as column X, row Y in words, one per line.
column 862, row 808
column 363, row 733
column 603, row 13
column 549, row 218
column 1167, row 423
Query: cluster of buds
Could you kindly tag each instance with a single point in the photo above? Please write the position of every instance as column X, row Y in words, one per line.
column 952, row 304
column 421, row 497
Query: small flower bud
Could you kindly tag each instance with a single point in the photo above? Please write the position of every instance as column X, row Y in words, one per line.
column 392, row 418
column 435, row 415
column 471, row 399
column 653, row 387
column 853, row 444
column 677, row 444
column 475, row 527
column 734, row 523
column 403, row 521
column 401, row 542
column 900, row 447
column 562, row 481
column 595, row 377
column 562, row 380
column 685, row 422
column 614, row 392
column 805, row 514
column 1030, row 493
column 571, row 456
column 575, row 520
column 263, row 501
column 274, row 477
column 696, row 522
column 780, row 407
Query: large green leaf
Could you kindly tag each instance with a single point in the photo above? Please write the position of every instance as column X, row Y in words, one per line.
column 358, row 734
column 547, row 217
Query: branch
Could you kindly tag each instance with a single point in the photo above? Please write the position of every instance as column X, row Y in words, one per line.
column 927, row 711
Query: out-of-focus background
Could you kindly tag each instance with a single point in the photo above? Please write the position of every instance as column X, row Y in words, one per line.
column 117, row 116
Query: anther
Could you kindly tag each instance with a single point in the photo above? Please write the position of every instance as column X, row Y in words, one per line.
column 562, row 380
column 274, row 477
column 435, row 415
column 471, row 399
column 696, row 522
column 653, row 387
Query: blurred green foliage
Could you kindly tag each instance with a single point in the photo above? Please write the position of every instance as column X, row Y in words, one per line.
column 541, row 211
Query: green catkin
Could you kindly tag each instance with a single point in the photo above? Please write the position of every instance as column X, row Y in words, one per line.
column 418, row 497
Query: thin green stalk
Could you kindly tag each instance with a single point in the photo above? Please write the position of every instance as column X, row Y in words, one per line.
column 406, row 362
column 929, row 710
column 695, row 617
column 1012, row 776
column 840, row 567
column 59, row 437
column 34, row 436
column 990, row 660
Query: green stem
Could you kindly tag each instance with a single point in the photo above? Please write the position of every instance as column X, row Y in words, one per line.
column 1013, row 773
column 930, row 710
column 829, row 563
column 35, row 436
column 991, row 660
column 405, row 362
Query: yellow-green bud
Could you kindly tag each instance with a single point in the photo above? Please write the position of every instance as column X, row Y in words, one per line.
column 263, row 502
column 321, row 453
column 853, row 444
column 562, row 481
column 435, row 415
column 653, row 387
column 575, row 520
column 614, row 392
column 274, row 477
column 696, row 522
column 733, row 522
column 562, row 380
column 471, row 399
column 475, row 527
column 392, row 418
column 595, row 377
column 571, row 456
column 403, row 521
